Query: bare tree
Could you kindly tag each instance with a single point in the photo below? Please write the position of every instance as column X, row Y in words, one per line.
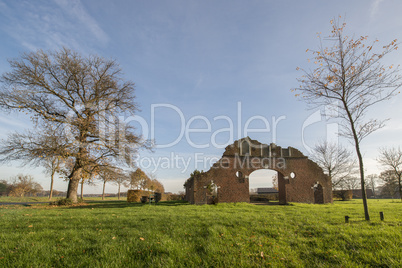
column 84, row 96
column 24, row 184
column 390, row 186
column 52, row 165
column 391, row 159
column 350, row 79
column 253, row 191
column 36, row 148
column 351, row 183
column 121, row 179
column 372, row 182
column 33, row 146
column 335, row 160
column 107, row 173
column 87, row 178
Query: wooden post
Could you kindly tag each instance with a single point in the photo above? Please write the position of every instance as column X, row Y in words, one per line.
column 381, row 215
column 347, row 219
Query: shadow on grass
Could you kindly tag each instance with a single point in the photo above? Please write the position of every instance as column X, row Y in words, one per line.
column 125, row 204
column 270, row 203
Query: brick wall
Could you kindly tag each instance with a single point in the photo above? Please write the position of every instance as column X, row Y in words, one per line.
column 231, row 173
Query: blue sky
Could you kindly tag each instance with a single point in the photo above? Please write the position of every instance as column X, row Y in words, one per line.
column 204, row 62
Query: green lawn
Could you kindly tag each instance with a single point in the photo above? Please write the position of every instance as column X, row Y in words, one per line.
column 11, row 199
column 175, row 234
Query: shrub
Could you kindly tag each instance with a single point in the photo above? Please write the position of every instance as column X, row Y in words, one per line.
column 63, row 202
column 343, row 195
column 175, row 197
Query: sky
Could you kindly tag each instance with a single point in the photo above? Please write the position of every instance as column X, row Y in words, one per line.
column 206, row 72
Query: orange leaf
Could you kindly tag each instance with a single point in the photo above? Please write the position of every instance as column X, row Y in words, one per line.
column 142, row 238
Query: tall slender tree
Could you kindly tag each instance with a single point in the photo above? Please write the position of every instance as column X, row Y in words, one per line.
column 350, row 78
column 107, row 173
column 52, row 165
column 121, row 179
column 372, row 182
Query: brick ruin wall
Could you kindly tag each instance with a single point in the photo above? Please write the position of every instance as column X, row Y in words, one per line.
column 231, row 174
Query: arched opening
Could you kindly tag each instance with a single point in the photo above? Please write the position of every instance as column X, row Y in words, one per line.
column 318, row 194
column 264, row 186
column 245, row 148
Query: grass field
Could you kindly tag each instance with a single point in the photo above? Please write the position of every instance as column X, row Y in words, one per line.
column 175, row 234
column 11, row 199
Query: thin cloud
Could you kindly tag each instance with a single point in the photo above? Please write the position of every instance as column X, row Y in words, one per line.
column 199, row 82
column 49, row 26
column 375, row 7
column 75, row 9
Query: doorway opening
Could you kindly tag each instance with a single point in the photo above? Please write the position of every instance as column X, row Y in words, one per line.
column 263, row 186
column 318, row 194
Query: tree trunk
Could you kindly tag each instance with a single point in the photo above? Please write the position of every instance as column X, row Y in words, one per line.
column 364, row 197
column 373, row 187
column 400, row 189
column 82, row 188
column 103, row 192
column 73, row 185
column 359, row 155
column 51, row 186
column 118, row 195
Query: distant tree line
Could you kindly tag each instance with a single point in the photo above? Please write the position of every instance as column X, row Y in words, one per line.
column 338, row 163
column 20, row 186
column 24, row 185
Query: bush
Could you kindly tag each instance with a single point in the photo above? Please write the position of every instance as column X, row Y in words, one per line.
column 175, row 197
column 134, row 195
column 344, row 195
column 264, row 197
column 158, row 197
column 63, row 202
